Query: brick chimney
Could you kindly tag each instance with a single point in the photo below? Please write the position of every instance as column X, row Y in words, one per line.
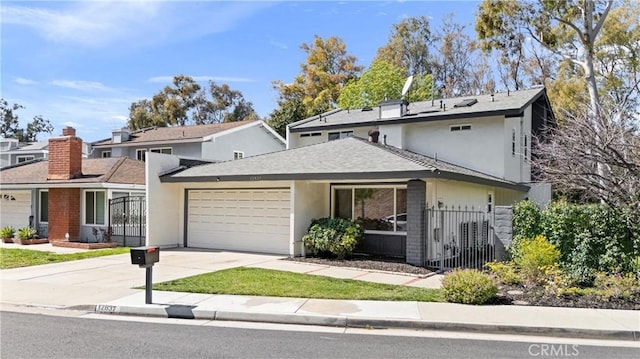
column 65, row 155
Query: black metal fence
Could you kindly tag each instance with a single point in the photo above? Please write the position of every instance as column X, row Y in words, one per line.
column 127, row 220
column 458, row 238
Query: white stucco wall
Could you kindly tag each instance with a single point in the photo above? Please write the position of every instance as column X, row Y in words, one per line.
column 455, row 193
column 164, row 203
column 252, row 141
column 394, row 135
column 480, row 148
column 309, row 201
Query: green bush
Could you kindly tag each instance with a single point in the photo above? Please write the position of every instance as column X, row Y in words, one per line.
column 337, row 236
column 591, row 238
column 506, row 272
column 27, row 233
column 7, row 232
column 468, row 286
column 534, row 255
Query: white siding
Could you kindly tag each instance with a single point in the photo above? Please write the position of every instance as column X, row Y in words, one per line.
column 164, row 203
column 252, row 141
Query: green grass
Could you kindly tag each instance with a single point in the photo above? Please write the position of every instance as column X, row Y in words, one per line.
column 273, row 283
column 14, row 257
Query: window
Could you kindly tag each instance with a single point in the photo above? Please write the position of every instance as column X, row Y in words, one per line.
column 460, row 128
column 310, row 134
column 94, row 207
column 378, row 208
column 21, row 159
column 340, row 135
column 164, row 150
column 526, row 152
column 513, row 142
column 44, row 207
column 106, row 154
column 141, row 154
column 489, row 202
column 238, row 155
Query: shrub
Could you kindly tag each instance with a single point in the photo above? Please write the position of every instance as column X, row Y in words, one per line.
column 27, row 233
column 533, row 256
column 468, row 286
column 7, row 232
column 506, row 272
column 623, row 286
column 337, row 236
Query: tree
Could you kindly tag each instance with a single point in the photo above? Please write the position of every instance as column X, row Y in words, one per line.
column 327, row 69
column 409, row 46
column 226, row 105
column 383, row 81
column 187, row 103
column 289, row 110
column 10, row 125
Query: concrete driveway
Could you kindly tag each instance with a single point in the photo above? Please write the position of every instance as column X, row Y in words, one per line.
column 104, row 279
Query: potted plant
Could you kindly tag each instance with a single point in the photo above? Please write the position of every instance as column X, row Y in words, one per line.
column 26, row 234
column 7, row 234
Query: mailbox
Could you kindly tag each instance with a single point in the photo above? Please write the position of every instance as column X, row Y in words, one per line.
column 145, row 256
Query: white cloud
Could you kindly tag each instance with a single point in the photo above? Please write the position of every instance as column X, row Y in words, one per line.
column 135, row 23
column 169, row 79
column 23, row 81
column 80, row 85
column 72, row 124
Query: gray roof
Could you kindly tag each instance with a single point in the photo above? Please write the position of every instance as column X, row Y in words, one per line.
column 507, row 104
column 347, row 159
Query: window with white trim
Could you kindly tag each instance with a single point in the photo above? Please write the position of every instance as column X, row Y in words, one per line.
column 456, row 128
column 526, row 149
column 238, row 155
column 377, row 207
column 43, row 212
column 340, row 135
column 141, row 154
column 24, row 158
column 164, row 150
column 95, row 207
column 106, row 154
column 310, row 134
column 513, row 142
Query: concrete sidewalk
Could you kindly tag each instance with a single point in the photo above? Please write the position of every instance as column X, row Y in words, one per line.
column 105, row 285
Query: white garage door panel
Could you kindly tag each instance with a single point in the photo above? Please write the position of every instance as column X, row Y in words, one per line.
column 244, row 220
column 15, row 208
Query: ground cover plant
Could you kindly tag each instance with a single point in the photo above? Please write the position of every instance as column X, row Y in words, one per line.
column 17, row 257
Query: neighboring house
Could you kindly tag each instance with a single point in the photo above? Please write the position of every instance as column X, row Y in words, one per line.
column 214, row 142
column 404, row 161
column 12, row 152
column 67, row 193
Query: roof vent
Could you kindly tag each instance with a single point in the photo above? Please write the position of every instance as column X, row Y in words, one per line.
column 466, row 103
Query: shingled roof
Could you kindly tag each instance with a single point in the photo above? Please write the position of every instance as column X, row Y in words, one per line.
column 347, row 159
column 505, row 103
column 96, row 170
column 177, row 133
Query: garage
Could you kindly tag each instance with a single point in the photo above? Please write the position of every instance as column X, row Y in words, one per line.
column 253, row 220
column 15, row 208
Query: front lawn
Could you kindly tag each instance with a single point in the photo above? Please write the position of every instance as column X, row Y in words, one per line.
column 273, row 283
column 15, row 257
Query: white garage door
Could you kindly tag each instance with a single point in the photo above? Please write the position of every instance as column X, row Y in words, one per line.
column 15, row 208
column 242, row 220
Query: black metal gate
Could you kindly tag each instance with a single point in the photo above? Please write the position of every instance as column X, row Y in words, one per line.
column 459, row 238
column 127, row 220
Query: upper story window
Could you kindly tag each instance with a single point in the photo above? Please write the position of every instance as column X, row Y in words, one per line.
column 165, row 150
column 238, row 155
column 141, row 155
column 310, row 134
column 106, row 154
column 456, row 128
column 339, row 135
column 21, row 159
column 513, row 142
column 526, row 152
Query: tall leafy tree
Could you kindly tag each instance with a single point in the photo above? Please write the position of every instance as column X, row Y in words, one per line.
column 383, row 81
column 225, row 105
column 409, row 46
column 10, row 124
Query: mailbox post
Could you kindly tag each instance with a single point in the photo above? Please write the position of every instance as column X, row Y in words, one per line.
column 145, row 257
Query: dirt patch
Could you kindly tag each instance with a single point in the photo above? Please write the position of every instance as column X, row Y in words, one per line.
column 366, row 263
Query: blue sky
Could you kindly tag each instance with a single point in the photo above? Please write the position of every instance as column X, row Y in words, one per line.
column 82, row 64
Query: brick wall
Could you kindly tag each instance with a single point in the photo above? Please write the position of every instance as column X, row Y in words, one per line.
column 64, row 213
column 416, row 201
column 65, row 156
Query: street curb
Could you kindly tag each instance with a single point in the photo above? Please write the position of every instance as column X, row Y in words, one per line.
column 192, row 312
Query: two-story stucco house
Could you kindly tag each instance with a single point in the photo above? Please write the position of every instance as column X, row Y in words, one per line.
column 385, row 165
column 213, row 142
column 13, row 152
